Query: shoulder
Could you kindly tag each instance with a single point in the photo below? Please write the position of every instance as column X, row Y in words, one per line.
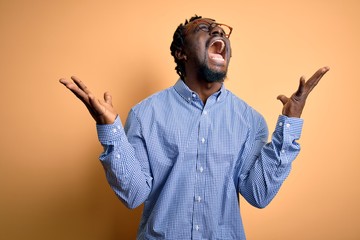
column 248, row 116
column 245, row 114
column 241, row 107
column 158, row 100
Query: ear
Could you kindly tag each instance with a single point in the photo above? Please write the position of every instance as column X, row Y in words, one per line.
column 180, row 55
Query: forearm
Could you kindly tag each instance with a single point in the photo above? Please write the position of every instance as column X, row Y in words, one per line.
column 273, row 163
column 122, row 167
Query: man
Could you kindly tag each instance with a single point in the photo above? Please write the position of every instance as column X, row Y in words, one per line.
column 186, row 152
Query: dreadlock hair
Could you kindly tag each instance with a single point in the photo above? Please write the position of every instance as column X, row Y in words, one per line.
column 178, row 44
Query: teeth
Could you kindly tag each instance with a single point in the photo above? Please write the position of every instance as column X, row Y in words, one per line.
column 222, row 46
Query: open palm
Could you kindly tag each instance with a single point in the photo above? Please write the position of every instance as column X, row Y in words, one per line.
column 293, row 106
column 101, row 110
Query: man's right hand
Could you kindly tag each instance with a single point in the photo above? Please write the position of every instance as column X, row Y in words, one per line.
column 101, row 110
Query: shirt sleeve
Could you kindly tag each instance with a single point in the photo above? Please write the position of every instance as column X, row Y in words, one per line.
column 128, row 177
column 266, row 165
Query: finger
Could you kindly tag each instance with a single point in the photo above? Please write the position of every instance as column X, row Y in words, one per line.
column 80, row 84
column 314, row 80
column 301, row 88
column 283, row 99
column 108, row 98
column 66, row 83
column 79, row 93
column 63, row 81
column 72, row 86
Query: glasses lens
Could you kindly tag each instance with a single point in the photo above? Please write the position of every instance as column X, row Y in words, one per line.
column 207, row 26
column 226, row 29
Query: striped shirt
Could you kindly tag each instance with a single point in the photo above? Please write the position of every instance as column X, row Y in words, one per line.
column 187, row 161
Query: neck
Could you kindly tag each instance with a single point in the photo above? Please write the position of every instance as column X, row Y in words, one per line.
column 202, row 88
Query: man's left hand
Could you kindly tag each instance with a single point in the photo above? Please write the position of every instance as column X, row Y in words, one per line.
column 294, row 105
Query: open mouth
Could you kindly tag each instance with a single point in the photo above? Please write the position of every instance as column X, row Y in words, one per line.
column 217, row 51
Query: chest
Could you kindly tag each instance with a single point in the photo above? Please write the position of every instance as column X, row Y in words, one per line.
column 209, row 132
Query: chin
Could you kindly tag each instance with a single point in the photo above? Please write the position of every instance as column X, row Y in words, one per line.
column 211, row 75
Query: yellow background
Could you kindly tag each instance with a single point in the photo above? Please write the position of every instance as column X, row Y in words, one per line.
column 52, row 185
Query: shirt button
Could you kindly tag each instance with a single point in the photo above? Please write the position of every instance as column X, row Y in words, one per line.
column 201, row 169
column 205, row 112
column 203, row 140
column 117, row 155
column 114, row 130
column 288, row 125
column 198, row 199
column 283, row 151
column 280, row 124
column 197, row 227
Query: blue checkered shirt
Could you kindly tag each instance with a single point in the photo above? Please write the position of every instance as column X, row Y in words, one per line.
column 187, row 161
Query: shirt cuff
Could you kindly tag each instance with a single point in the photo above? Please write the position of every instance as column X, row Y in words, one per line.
column 110, row 132
column 289, row 125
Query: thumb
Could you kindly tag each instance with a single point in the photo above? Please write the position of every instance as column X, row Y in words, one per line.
column 108, row 98
column 283, row 99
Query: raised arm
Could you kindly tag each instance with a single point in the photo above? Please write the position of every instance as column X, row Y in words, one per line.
column 293, row 106
column 101, row 110
column 125, row 163
column 268, row 164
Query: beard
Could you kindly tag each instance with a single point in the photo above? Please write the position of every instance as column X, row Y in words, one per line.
column 210, row 75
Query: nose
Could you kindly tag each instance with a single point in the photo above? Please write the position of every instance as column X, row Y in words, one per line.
column 217, row 31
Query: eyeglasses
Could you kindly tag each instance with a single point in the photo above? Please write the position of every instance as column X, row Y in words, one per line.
column 207, row 26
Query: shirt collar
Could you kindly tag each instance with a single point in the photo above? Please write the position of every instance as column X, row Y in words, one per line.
column 186, row 93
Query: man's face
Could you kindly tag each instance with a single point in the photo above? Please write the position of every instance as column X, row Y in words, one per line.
column 207, row 49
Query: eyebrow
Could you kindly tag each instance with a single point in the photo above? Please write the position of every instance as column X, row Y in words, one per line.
column 203, row 20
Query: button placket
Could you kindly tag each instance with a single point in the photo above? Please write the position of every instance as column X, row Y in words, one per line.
column 200, row 173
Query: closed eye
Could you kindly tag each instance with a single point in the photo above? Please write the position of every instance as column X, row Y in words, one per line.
column 203, row 27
